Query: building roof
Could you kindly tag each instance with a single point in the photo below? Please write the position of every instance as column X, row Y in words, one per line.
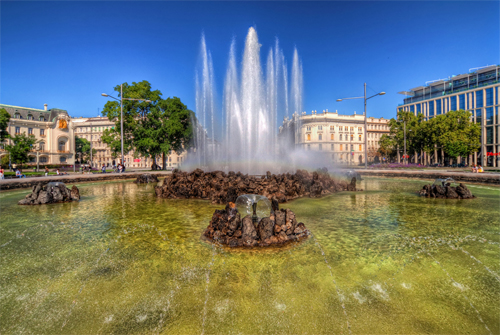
column 48, row 115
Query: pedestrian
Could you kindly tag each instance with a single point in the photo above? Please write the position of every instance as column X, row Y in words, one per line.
column 1, row 174
column 103, row 169
column 57, row 172
column 19, row 174
column 46, row 171
column 480, row 169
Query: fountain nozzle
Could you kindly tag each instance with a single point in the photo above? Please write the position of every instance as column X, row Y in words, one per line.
column 255, row 219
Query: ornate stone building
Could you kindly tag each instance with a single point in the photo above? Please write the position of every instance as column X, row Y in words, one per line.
column 92, row 129
column 53, row 129
column 341, row 137
column 376, row 128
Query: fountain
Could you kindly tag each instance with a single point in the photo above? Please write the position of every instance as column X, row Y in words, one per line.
column 251, row 103
column 262, row 225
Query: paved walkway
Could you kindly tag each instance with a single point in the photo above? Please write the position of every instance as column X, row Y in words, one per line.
column 483, row 178
column 9, row 184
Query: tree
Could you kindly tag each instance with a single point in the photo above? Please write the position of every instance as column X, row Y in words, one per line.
column 150, row 128
column 82, row 149
column 387, row 146
column 21, row 145
column 458, row 135
column 4, row 122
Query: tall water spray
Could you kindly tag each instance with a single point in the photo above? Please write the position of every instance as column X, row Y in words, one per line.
column 251, row 104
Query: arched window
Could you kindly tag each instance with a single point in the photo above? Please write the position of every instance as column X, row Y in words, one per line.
column 320, row 137
column 360, row 137
column 62, row 159
column 352, row 137
column 17, row 116
column 62, row 146
column 42, row 146
column 43, row 159
column 41, row 118
column 30, row 117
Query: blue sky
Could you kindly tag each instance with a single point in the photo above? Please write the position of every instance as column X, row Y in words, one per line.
column 66, row 53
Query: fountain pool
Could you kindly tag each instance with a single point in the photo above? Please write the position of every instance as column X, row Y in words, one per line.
column 124, row 261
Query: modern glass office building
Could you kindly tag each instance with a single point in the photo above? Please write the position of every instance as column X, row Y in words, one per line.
column 477, row 92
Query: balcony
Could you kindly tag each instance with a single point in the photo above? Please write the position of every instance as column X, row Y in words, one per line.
column 43, row 135
column 62, row 151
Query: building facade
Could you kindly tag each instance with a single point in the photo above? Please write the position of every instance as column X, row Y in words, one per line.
column 477, row 92
column 376, row 128
column 341, row 137
column 53, row 129
column 92, row 129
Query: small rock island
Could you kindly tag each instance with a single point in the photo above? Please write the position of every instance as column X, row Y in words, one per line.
column 229, row 229
column 443, row 189
column 50, row 193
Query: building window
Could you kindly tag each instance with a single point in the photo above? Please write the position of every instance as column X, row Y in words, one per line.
column 308, row 137
column 489, row 135
column 308, row 128
column 359, row 137
column 340, row 137
column 62, row 159
column 359, row 129
column 489, row 96
column 489, row 115
column 30, row 117
column 320, row 137
column 41, row 118
column 479, row 99
column 18, row 130
column 320, row 127
column 478, row 116
column 42, row 146
column 62, row 146
column 352, row 147
column 461, row 101
column 320, row 147
column 341, row 147
column 360, row 147
column 30, row 131
column 332, row 147
column 453, row 104
column 412, row 108
column 438, row 107
column 418, row 109
column 352, row 137
column 431, row 108
column 332, row 128
column 331, row 137
column 352, row 128
column 43, row 159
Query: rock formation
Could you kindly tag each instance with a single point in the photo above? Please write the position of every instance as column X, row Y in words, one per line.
column 50, row 193
column 146, row 178
column 446, row 192
column 228, row 228
column 223, row 188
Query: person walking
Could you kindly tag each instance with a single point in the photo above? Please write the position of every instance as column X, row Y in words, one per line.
column 46, row 171
column 1, row 174
column 103, row 169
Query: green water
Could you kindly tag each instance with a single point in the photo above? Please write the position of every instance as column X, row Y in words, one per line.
column 122, row 261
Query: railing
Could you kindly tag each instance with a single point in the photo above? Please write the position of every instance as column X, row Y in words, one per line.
column 445, row 93
column 62, row 151
column 43, row 135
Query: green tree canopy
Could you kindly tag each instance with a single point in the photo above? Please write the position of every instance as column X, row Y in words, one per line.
column 150, row 128
column 82, row 148
column 21, row 145
column 4, row 122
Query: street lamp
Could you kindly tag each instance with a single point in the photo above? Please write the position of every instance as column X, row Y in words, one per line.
column 366, row 126
column 121, row 113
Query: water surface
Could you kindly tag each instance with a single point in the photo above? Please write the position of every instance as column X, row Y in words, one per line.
column 379, row 261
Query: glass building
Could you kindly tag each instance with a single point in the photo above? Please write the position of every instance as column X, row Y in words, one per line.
column 477, row 92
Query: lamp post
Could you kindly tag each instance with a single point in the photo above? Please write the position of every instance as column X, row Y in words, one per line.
column 121, row 114
column 366, row 125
